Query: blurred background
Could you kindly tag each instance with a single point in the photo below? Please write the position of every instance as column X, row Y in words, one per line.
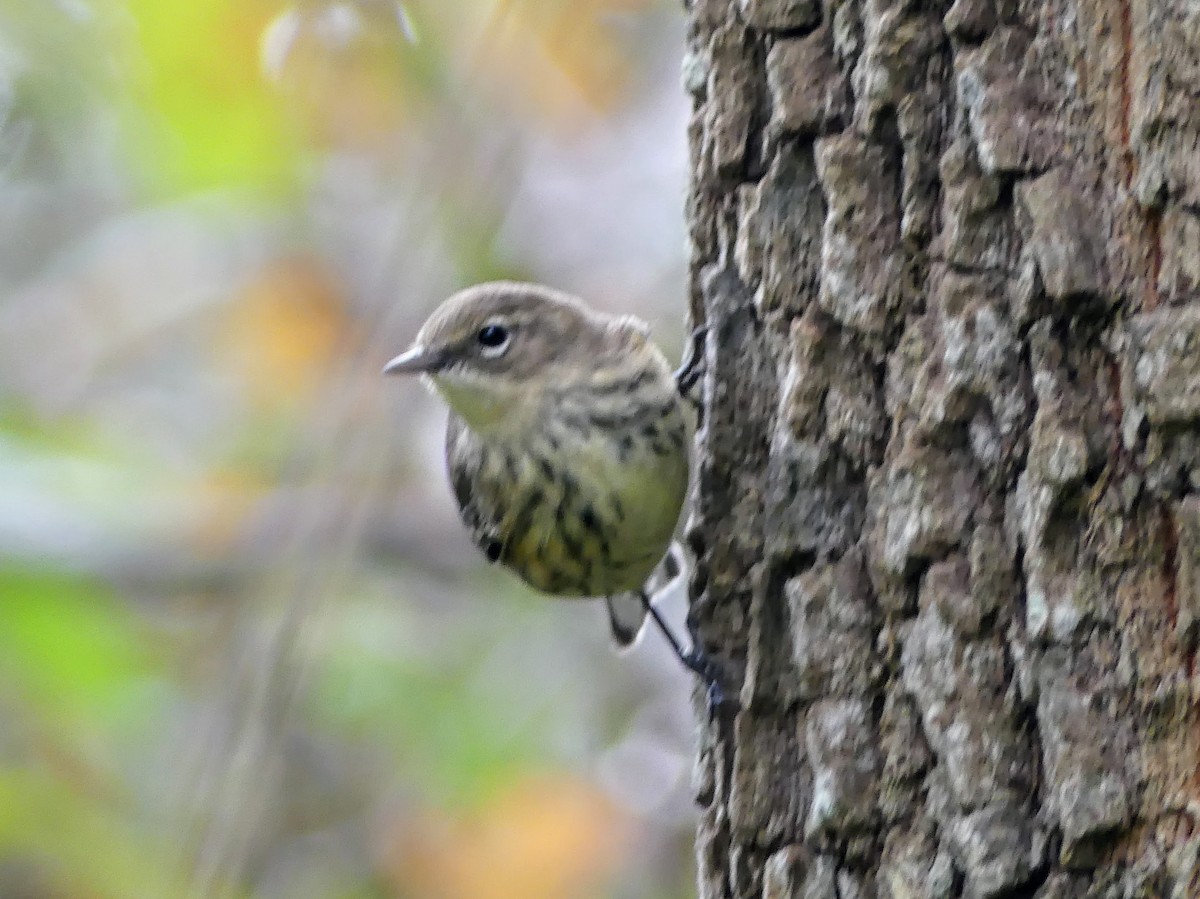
column 245, row 648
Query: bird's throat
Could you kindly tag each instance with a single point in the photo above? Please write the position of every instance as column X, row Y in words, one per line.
column 492, row 409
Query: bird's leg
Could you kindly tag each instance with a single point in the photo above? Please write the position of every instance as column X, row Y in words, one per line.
column 690, row 369
column 694, row 658
column 715, row 678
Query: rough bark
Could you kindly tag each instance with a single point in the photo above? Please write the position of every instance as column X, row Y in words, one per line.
column 947, row 524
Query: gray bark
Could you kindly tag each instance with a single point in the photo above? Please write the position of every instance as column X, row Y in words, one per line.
column 947, row 523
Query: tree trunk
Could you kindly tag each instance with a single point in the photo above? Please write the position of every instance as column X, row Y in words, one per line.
column 947, row 530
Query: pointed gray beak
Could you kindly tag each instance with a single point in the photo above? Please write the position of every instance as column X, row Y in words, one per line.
column 417, row 361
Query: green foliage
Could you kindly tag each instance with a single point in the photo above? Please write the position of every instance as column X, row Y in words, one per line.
column 208, row 119
column 459, row 742
column 86, row 848
column 76, row 678
column 69, row 649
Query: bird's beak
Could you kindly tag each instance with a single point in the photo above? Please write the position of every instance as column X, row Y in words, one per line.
column 419, row 360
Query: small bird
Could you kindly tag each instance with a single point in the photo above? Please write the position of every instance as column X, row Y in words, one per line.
column 567, row 443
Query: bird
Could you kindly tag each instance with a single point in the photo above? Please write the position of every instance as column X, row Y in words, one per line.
column 567, row 444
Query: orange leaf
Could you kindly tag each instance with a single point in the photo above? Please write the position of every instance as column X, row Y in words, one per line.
column 547, row 837
column 282, row 332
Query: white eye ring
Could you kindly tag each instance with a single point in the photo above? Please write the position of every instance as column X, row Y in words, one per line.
column 493, row 339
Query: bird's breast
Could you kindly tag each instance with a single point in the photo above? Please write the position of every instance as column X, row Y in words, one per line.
column 586, row 503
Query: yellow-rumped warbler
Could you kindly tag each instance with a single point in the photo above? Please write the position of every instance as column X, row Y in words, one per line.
column 567, row 443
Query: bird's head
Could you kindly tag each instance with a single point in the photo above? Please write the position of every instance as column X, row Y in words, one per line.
column 491, row 351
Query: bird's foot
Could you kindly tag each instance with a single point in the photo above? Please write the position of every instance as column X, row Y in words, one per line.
column 692, row 367
column 716, row 699
column 695, row 659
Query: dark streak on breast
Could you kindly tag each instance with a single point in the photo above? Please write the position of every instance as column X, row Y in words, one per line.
column 572, row 544
column 570, row 486
column 577, row 425
column 624, row 447
column 524, row 518
column 607, row 421
column 588, row 519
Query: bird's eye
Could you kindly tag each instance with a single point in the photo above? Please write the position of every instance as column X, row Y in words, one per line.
column 492, row 337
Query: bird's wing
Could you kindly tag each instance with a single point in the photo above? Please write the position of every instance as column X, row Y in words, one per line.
column 460, row 479
column 484, row 531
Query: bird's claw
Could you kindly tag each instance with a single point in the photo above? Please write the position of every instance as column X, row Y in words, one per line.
column 710, row 672
column 691, row 368
column 694, row 658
